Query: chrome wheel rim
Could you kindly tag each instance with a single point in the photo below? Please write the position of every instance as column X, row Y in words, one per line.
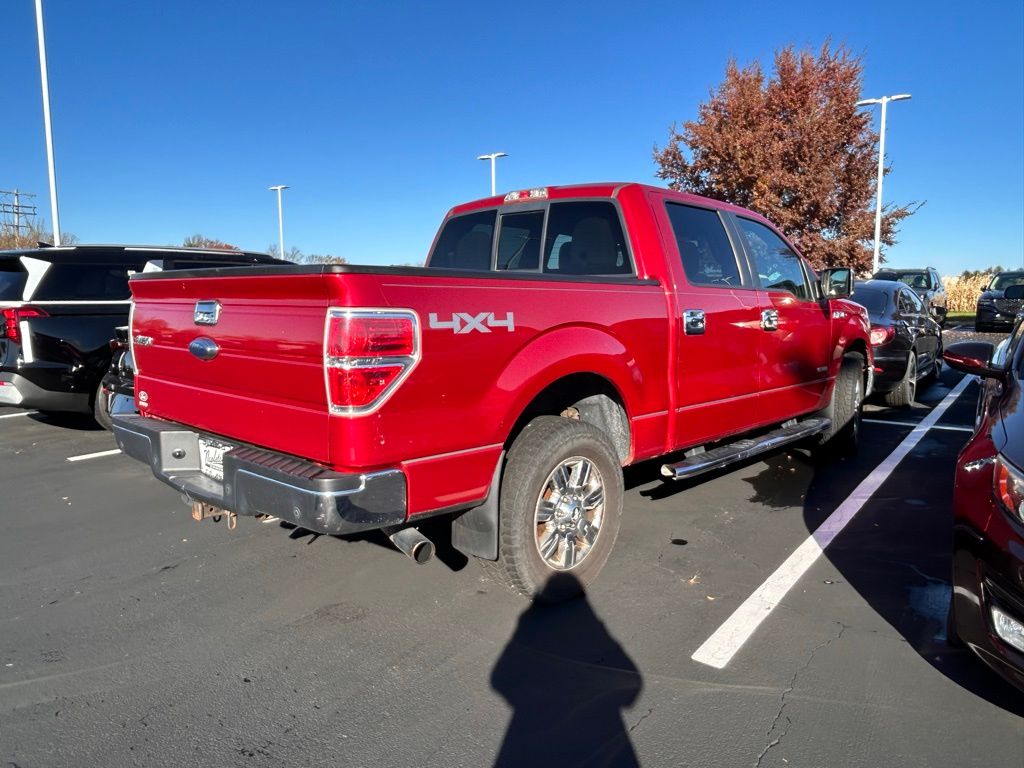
column 569, row 513
column 912, row 377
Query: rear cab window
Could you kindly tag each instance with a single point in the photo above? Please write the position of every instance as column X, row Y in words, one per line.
column 565, row 238
column 585, row 238
column 465, row 242
column 704, row 247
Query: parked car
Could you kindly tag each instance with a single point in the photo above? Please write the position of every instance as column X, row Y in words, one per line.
column 907, row 342
column 555, row 335
column 60, row 307
column 996, row 312
column 986, row 610
column 926, row 283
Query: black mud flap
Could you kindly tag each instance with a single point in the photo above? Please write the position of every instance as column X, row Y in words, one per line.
column 475, row 531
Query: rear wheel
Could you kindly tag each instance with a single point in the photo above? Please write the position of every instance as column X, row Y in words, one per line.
column 559, row 509
column 905, row 392
column 101, row 408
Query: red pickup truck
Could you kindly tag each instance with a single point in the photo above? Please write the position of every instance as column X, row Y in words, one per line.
column 554, row 336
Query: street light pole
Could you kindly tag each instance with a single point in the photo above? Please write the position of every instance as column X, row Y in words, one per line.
column 279, row 188
column 884, row 101
column 46, row 122
column 492, row 157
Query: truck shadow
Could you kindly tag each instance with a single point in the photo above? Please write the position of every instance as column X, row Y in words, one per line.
column 567, row 680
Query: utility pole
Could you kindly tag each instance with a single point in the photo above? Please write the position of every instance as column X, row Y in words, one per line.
column 46, row 122
column 15, row 214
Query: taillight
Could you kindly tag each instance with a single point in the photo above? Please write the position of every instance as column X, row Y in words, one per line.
column 881, row 334
column 1008, row 486
column 367, row 355
column 13, row 317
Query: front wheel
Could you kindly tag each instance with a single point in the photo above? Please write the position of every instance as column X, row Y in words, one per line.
column 559, row 509
column 844, row 409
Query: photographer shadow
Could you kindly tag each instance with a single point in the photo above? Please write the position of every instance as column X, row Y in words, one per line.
column 567, row 680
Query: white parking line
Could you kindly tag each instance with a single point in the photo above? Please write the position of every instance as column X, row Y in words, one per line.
column 950, row 427
column 16, row 415
column 97, row 455
column 718, row 650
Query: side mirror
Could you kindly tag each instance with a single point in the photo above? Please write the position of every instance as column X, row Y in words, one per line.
column 837, row 283
column 973, row 357
column 1014, row 292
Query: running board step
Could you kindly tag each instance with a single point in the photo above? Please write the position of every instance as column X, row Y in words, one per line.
column 730, row 453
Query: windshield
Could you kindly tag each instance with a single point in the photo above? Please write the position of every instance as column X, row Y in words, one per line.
column 875, row 302
column 916, row 279
column 12, row 280
column 1004, row 281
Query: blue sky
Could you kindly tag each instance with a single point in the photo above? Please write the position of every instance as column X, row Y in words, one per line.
column 174, row 117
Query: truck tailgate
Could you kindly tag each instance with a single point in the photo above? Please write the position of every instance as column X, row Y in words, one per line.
column 264, row 384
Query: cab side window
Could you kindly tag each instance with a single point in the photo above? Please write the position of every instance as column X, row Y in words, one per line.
column 704, row 247
column 778, row 267
column 465, row 243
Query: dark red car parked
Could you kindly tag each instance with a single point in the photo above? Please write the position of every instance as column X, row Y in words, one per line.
column 987, row 606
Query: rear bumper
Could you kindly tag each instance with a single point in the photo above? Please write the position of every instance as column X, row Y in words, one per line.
column 889, row 368
column 262, row 482
column 16, row 390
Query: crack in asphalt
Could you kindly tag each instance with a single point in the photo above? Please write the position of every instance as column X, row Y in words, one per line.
column 642, row 718
column 789, row 689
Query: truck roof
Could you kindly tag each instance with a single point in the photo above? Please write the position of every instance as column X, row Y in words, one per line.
column 610, row 189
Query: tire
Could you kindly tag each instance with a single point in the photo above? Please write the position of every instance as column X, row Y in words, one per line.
column 844, row 409
column 551, row 453
column 101, row 409
column 903, row 395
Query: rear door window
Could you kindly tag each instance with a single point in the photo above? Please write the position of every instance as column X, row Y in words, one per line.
column 465, row 243
column 86, row 282
column 704, row 246
column 585, row 238
column 12, row 280
column 519, row 240
column 778, row 266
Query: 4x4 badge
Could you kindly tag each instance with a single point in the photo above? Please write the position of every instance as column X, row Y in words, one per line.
column 464, row 322
column 207, row 313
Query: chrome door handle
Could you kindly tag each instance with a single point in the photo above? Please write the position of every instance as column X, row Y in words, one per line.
column 769, row 319
column 693, row 322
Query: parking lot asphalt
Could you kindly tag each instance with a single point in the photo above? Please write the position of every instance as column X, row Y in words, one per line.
column 131, row 635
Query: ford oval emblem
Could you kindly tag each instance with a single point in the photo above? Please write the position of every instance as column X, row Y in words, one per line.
column 204, row 348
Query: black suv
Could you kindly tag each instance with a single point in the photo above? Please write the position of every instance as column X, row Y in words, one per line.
column 59, row 307
column 926, row 283
column 995, row 311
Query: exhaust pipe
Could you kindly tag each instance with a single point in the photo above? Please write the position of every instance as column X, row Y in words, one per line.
column 414, row 544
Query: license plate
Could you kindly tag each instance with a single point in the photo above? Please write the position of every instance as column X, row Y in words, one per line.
column 211, row 457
